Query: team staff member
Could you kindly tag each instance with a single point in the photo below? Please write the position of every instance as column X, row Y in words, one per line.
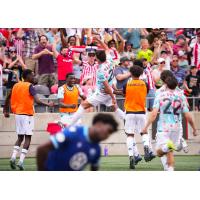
column 135, row 98
column 68, row 95
column 21, row 100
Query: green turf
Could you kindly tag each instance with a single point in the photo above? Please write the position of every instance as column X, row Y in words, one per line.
column 120, row 163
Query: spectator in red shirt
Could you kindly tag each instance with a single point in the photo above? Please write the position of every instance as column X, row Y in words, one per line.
column 65, row 60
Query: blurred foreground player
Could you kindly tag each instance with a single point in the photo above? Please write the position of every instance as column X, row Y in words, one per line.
column 76, row 146
column 171, row 103
column 21, row 100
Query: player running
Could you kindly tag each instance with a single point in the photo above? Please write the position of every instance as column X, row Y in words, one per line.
column 76, row 146
column 135, row 99
column 171, row 103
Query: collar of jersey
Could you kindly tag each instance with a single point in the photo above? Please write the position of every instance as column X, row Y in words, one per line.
column 86, row 133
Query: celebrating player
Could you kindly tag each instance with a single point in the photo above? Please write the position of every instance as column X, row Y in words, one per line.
column 76, row 146
column 171, row 103
column 135, row 98
column 22, row 99
column 68, row 98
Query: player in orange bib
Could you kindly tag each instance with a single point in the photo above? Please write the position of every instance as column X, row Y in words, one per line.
column 68, row 95
column 21, row 100
column 135, row 100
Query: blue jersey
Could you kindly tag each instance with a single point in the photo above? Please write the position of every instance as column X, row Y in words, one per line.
column 73, row 150
column 171, row 105
column 105, row 73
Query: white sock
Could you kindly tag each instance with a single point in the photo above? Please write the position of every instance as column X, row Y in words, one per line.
column 77, row 115
column 120, row 114
column 164, row 162
column 145, row 139
column 23, row 155
column 135, row 149
column 15, row 152
column 170, row 168
column 165, row 148
column 129, row 143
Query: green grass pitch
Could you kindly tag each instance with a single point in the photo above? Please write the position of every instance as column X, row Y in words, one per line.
column 121, row 163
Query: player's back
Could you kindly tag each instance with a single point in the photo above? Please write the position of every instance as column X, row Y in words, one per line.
column 135, row 95
column 171, row 103
column 75, row 152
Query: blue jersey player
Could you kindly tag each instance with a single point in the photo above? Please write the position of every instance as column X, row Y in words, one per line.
column 76, row 146
column 171, row 103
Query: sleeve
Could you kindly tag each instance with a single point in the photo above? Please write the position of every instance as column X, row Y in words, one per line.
column 156, row 103
column 185, row 104
column 36, row 50
column 80, row 91
column 32, row 90
column 117, row 71
column 60, row 94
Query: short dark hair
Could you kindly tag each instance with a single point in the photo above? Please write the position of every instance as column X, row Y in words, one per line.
column 43, row 36
column 101, row 55
column 136, row 71
column 26, row 73
column 138, row 62
column 171, row 82
column 72, row 36
column 106, row 119
column 63, row 47
column 165, row 74
column 69, row 74
column 111, row 41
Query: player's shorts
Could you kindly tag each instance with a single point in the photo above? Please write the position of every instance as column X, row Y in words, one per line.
column 163, row 137
column 99, row 98
column 24, row 124
column 134, row 123
column 66, row 118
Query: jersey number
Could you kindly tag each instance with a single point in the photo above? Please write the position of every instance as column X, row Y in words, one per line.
column 175, row 108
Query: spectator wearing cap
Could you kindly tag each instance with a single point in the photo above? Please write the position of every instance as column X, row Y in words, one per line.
column 157, row 72
column 181, row 44
column 145, row 52
column 177, row 71
column 89, row 67
column 46, row 69
column 128, row 51
column 31, row 40
column 122, row 73
column 192, row 87
column 196, row 50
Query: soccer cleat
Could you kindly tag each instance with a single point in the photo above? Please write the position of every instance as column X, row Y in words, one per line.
column 137, row 159
column 184, row 145
column 132, row 162
column 20, row 165
column 151, row 156
column 171, row 146
column 147, row 156
column 12, row 164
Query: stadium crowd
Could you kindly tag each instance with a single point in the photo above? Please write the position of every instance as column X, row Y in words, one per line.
column 52, row 53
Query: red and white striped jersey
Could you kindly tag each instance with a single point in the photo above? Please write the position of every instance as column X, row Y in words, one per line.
column 89, row 71
column 19, row 45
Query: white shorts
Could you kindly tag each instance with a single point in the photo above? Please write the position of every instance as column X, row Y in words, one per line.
column 24, row 124
column 134, row 123
column 66, row 118
column 99, row 98
column 163, row 137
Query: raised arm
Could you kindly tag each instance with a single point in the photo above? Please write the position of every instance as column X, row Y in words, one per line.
column 122, row 41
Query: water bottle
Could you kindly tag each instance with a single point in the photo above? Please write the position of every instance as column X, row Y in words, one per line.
column 105, row 151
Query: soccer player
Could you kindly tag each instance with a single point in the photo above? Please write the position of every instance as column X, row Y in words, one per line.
column 76, row 146
column 104, row 93
column 68, row 95
column 22, row 99
column 171, row 103
column 135, row 98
